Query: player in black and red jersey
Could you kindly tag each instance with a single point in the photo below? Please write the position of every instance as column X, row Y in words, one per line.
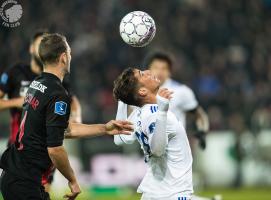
column 14, row 82
column 39, row 144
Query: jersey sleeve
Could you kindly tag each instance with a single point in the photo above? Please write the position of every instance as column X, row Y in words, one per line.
column 57, row 117
column 149, row 125
column 122, row 113
column 155, row 127
column 124, row 139
column 6, row 80
column 187, row 98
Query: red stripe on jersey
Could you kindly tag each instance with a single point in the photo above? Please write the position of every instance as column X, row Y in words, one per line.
column 14, row 126
column 46, row 175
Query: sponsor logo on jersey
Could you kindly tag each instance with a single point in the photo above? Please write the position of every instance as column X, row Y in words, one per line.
column 38, row 86
column 60, row 107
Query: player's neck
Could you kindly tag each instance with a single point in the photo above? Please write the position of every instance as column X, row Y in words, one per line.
column 151, row 99
column 56, row 71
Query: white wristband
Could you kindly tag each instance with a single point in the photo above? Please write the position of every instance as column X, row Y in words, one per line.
column 163, row 103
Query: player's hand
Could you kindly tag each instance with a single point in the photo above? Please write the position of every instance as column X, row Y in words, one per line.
column 75, row 189
column 163, row 97
column 116, row 127
column 165, row 93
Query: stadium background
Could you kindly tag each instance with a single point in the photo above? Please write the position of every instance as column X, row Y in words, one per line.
column 222, row 51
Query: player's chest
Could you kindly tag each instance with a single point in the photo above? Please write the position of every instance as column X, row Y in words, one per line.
column 141, row 135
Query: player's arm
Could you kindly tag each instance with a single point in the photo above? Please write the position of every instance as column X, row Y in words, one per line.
column 201, row 118
column 196, row 114
column 59, row 158
column 113, row 127
column 76, row 111
column 10, row 103
column 122, row 114
column 5, row 86
column 57, row 117
column 159, row 139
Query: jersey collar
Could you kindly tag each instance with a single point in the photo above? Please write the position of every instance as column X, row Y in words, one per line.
column 46, row 74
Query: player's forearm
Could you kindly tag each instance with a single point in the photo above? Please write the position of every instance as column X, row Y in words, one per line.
column 122, row 111
column 121, row 114
column 12, row 103
column 76, row 130
column 202, row 121
column 159, row 139
column 59, row 158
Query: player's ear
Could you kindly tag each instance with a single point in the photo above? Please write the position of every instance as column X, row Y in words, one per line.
column 142, row 92
column 63, row 58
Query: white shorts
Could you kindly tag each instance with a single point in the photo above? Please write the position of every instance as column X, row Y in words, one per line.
column 174, row 197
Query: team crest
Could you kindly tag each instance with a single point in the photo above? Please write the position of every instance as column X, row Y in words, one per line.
column 60, row 108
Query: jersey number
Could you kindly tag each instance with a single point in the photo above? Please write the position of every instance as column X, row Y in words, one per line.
column 21, row 134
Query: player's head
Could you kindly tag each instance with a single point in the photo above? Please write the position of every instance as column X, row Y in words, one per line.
column 160, row 65
column 34, row 47
column 54, row 51
column 136, row 87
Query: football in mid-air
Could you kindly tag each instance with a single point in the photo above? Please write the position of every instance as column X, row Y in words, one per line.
column 137, row 28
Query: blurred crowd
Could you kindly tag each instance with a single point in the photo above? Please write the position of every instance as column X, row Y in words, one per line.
column 221, row 49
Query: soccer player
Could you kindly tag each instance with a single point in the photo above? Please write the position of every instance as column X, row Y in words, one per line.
column 45, row 116
column 183, row 101
column 161, row 136
column 15, row 82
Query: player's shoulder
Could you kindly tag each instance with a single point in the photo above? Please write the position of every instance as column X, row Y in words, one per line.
column 174, row 83
column 149, row 110
column 182, row 89
column 50, row 85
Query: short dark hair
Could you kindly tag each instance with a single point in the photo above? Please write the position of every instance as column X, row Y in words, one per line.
column 39, row 33
column 125, row 87
column 51, row 47
column 159, row 56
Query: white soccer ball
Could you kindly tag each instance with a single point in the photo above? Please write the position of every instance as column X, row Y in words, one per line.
column 137, row 28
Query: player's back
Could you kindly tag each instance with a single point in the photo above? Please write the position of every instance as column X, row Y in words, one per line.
column 171, row 173
column 30, row 148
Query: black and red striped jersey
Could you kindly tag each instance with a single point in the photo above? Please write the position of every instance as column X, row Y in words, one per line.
column 45, row 117
column 15, row 82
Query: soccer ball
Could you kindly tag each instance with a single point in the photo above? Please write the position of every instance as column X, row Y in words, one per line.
column 137, row 28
